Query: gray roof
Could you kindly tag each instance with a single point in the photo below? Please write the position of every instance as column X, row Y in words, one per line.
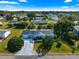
column 76, row 28
column 34, row 32
column 3, row 31
column 37, row 32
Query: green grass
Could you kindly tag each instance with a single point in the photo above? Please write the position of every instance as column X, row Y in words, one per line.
column 4, row 25
column 3, row 44
column 17, row 32
column 63, row 49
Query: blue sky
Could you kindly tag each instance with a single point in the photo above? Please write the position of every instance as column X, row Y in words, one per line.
column 40, row 5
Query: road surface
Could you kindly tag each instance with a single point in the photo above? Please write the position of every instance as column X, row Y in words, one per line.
column 44, row 57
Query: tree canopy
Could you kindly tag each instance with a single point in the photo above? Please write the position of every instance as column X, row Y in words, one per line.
column 15, row 44
column 47, row 42
column 62, row 30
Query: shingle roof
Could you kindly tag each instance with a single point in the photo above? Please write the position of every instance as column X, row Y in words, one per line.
column 34, row 32
column 2, row 31
column 37, row 32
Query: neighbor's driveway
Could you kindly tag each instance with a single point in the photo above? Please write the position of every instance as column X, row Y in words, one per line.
column 27, row 49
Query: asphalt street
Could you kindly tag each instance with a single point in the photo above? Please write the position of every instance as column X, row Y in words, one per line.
column 43, row 57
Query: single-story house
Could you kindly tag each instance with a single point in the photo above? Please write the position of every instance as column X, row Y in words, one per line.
column 1, row 23
column 76, row 22
column 53, row 17
column 1, row 18
column 37, row 18
column 76, row 30
column 40, row 22
column 12, row 23
column 4, row 33
column 20, row 15
column 36, row 34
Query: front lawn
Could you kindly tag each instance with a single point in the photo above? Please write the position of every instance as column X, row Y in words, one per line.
column 63, row 49
column 3, row 44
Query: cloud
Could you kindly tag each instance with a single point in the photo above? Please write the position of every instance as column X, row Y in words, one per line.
column 23, row 1
column 39, row 9
column 68, row 1
column 9, row 6
column 65, row 7
column 8, row 2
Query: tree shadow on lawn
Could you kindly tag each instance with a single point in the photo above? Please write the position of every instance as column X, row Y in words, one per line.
column 42, row 51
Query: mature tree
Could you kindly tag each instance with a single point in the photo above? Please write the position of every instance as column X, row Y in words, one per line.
column 31, row 26
column 62, row 29
column 39, row 27
column 45, row 17
column 31, row 15
column 73, row 36
column 47, row 42
column 49, row 26
column 25, row 19
column 18, row 19
column 15, row 44
column 9, row 17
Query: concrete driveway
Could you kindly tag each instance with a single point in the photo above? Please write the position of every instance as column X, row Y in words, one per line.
column 27, row 49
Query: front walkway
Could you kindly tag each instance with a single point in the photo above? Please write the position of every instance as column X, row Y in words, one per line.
column 27, row 49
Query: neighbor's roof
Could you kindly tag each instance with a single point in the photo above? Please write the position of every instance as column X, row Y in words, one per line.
column 76, row 28
column 3, row 31
column 34, row 32
column 37, row 32
column 40, row 22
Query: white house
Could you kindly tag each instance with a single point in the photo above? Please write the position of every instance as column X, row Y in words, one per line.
column 4, row 33
column 0, row 23
column 1, row 18
column 76, row 22
column 37, row 18
column 53, row 17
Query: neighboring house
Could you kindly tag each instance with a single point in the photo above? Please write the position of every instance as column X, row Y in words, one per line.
column 1, row 23
column 14, row 23
column 1, row 18
column 4, row 33
column 76, row 30
column 15, row 18
column 40, row 22
column 53, row 17
column 76, row 22
column 36, row 34
column 37, row 18
column 21, row 15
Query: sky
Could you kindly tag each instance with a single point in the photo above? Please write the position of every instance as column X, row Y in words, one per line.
column 39, row 5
